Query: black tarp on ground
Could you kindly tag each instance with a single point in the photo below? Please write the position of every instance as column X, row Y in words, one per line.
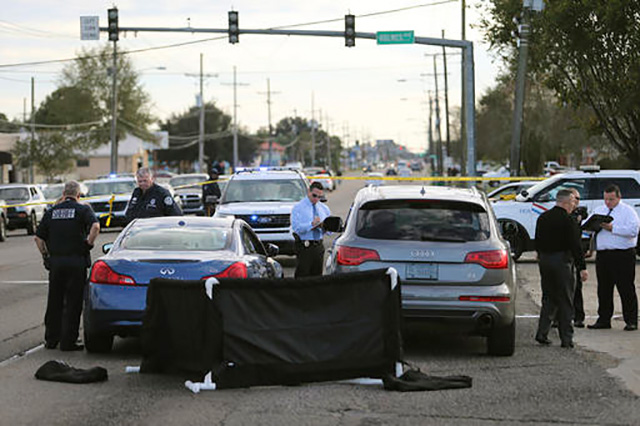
column 284, row 331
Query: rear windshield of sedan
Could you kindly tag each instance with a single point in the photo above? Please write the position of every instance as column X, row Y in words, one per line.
column 240, row 191
column 423, row 220
column 164, row 239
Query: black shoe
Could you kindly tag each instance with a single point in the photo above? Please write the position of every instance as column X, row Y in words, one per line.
column 543, row 340
column 598, row 326
column 578, row 324
column 630, row 327
column 50, row 345
column 73, row 347
column 567, row 345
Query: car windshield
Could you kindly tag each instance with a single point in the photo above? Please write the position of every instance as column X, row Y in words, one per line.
column 18, row 194
column 108, row 188
column 186, row 180
column 177, row 239
column 238, row 191
column 52, row 192
column 423, row 220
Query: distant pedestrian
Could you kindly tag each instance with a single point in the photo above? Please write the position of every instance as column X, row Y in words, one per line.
column 150, row 199
column 65, row 238
column 211, row 193
column 615, row 247
column 306, row 221
column 559, row 248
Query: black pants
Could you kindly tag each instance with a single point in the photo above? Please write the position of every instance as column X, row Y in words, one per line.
column 64, row 304
column 310, row 260
column 617, row 268
column 557, row 281
column 578, row 301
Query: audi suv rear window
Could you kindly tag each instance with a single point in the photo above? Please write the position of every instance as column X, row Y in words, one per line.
column 423, row 220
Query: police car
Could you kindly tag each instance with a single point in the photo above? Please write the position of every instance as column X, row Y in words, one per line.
column 518, row 217
column 264, row 198
column 100, row 193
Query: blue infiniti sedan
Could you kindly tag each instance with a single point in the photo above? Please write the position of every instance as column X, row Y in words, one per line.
column 185, row 247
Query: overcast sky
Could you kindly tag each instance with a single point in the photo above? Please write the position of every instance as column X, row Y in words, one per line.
column 355, row 89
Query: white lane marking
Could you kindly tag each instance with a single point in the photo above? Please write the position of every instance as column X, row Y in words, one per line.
column 25, row 282
column 20, row 355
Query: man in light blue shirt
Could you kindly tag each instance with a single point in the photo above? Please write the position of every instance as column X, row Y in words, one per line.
column 306, row 221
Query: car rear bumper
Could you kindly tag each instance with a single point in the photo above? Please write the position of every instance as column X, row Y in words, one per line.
column 114, row 309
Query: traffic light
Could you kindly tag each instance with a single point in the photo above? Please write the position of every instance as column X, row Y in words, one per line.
column 349, row 30
column 234, row 29
column 112, row 14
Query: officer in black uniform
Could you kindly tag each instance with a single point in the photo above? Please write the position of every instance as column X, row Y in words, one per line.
column 65, row 238
column 211, row 193
column 150, row 199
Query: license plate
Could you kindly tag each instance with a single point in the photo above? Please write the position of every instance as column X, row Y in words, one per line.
column 422, row 271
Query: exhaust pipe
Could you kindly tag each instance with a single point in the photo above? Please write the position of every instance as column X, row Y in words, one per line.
column 485, row 321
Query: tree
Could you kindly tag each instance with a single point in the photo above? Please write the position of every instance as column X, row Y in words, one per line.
column 588, row 53
column 91, row 77
column 6, row 126
column 52, row 154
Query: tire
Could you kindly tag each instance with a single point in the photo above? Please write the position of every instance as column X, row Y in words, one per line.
column 3, row 229
column 100, row 343
column 32, row 224
column 515, row 237
column 502, row 340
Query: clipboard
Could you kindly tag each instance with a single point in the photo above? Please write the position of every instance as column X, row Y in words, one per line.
column 593, row 223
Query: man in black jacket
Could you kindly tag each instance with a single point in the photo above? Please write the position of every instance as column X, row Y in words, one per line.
column 150, row 199
column 558, row 245
column 211, row 193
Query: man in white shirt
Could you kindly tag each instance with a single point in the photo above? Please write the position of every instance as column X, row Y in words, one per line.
column 616, row 260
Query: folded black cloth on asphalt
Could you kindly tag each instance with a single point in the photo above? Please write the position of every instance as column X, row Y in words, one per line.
column 274, row 331
column 60, row 371
column 415, row 380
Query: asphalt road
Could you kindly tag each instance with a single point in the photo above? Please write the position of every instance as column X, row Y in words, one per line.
column 538, row 385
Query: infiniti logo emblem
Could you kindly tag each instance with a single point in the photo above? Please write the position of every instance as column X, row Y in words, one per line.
column 167, row 271
column 422, row 253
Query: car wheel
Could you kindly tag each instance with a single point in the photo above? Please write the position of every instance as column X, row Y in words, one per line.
column 98, row 342
column 513, row 233
column 502, row 340
column 32, row 225
column 3, row 229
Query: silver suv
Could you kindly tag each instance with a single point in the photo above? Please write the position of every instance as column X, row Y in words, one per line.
column 264, row 199
column 445, row 244
column 27, row 205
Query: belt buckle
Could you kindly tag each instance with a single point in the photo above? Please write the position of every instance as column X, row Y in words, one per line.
column 307, row 243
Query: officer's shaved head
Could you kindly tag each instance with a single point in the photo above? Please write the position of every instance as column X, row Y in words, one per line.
column 71, row 189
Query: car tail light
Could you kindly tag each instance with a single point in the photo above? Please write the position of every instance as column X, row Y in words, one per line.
column 352, row 256
column 491, row 259
column 237, row 270
column 484, row 298
column 101, row 273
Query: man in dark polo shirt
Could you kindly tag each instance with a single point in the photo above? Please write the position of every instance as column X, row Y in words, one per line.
column 559, row 250
column 150, row 199
column 65, row 238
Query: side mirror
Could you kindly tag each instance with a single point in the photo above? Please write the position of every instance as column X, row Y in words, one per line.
column 272, row 250
column 107, row 247
column 333, row 224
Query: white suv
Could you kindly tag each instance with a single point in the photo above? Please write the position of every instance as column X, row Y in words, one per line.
column 264, row 199
column 518, row 218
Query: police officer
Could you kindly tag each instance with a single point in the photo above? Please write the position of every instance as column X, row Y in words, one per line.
column 306, row 222
column 211, row 193
column 150, row 199
column 65, row 238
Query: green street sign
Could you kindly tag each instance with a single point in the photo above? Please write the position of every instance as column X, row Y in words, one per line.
column 395, row 37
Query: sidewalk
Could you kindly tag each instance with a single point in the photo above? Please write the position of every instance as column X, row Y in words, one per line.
column 622, row 346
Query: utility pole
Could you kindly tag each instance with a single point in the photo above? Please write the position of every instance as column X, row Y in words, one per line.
column 313, row 131
column 431, row 148
column 438, row 132
column 201, row 166
column 32, row 175
column 463, row 112
column 269, row 93
column 518, row 108
column 326, row 120
column 114, row 104
column 235, row 121
column 446, row 98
